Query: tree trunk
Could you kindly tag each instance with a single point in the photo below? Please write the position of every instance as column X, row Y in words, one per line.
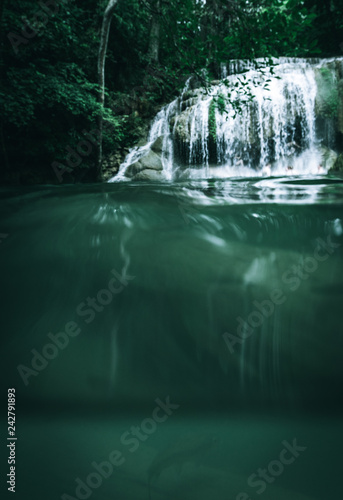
column 154, row 41
column 105, row 31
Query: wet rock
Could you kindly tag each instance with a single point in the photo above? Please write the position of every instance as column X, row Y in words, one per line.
column 339, row 68
column 142, row 142
column 327, row 92
column 191, row 94
column 338, row 165
column 340, row 107
column 151, row 161
column 329, row 158
column 111, row 164
column 157, row 145
column 149, row 174
column 182, row 129
column 189, row 102
column 133, row 169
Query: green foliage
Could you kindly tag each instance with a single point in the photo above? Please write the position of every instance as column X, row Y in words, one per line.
column 49, row 92
column 327, row 26
column 221, row 103
column 212, row 124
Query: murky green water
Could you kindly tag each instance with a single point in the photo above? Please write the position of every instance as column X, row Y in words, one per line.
column 224, row 296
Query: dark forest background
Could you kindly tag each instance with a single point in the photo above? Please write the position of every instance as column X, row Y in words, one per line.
column 49, row 92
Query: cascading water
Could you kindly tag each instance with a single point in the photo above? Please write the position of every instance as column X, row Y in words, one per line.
column 159, row 128
column 253, row 122
column 280, row 118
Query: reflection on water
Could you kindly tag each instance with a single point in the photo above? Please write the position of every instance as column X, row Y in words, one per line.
column 223, row 295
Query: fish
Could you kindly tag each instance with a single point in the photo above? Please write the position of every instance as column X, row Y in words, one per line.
column 186, row 449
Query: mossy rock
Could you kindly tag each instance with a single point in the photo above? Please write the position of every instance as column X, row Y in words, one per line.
column 329, row 157
column 212, row 124
column 340, row 107
column 327, row 99
column 182, row 129
column 338, row 165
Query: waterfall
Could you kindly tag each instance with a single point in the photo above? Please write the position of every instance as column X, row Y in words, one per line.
column 257, row 120
column 280, row 118
column 159, row 128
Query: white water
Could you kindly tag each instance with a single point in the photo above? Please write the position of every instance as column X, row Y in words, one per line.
column 159, row 127
column 275, row 134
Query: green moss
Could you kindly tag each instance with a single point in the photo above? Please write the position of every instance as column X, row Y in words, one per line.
column 221, row 103
column 327, row 94
column 212, row 125
column 218, row 102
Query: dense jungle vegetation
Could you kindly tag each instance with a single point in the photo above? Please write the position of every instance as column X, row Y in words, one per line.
column 49, row 54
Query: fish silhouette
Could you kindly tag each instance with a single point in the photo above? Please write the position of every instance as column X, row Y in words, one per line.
column 187, row 449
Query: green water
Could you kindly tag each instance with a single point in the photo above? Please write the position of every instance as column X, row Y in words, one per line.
column 137, row 293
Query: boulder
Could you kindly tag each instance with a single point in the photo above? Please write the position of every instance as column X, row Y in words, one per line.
column 157, row 145
column 133, row 169
column 327, row 93
column 150, row 161
column 338, row 165
column 329, row 158
column 182, row 130
column 149, row 174
column 142, row 142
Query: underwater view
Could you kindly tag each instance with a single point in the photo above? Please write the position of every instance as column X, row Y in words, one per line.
column 176, row 340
